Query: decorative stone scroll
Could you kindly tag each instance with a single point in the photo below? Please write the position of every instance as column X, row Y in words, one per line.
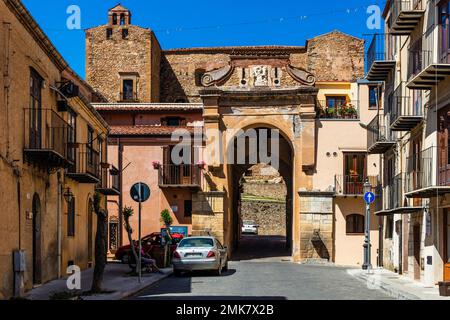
column 301, row 75
column 216, row 76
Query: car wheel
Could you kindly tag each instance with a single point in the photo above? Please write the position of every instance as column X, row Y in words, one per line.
column 225, row 267
column 219, row 270
column 125, row 259
column 177, row 273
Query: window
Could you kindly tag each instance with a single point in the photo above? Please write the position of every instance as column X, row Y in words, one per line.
column 374, row 98
column 444, row 21
column 188, row 208
column 354, row 223
column 71, row 218
column 127, row 90
column 354, row 173
column 35, row 121
column 389, row 229
column 90, row 146
column 122, row 19
column 125, row 34
column 173, row 121
column 114, row 19
column 109, row 33
column 72, row 134
column 336, row 101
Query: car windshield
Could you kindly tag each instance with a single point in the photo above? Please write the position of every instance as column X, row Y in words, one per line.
column 196, row 243
column 249, row 222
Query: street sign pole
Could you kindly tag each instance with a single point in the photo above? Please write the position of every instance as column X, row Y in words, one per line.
column 369, row 197
column 140, row 243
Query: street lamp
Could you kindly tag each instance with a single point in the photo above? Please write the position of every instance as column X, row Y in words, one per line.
column 367, row 246
column 68, row 195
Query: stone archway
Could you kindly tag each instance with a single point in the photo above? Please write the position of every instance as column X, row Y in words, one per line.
column 285, row 167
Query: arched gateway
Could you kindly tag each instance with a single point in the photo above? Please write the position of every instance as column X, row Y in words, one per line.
column 259, row 103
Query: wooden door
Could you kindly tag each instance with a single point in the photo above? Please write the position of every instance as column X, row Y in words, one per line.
column 36, row 240
column 417, row 169
column 35, row 111
column 416, row 248
column 447, row 245
column 354, row 172
column 443, row 151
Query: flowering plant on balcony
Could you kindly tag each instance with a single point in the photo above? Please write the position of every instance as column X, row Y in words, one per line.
column 348, row 111
column 201, row 164
column 156, row 164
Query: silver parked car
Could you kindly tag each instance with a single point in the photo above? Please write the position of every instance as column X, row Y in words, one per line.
column 200, row 253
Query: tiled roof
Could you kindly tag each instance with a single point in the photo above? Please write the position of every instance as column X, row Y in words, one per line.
column 140, row 130
column 147, row 106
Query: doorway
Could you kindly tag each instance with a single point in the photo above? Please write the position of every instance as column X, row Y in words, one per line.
column 447, row 244
column 355, row 172
column 90, row 230
column 37, row 277
column 416, row 248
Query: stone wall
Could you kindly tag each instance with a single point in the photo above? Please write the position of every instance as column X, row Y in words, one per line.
column 316, row 226
column 270, row 216
column 270, row 190
column 138, row 55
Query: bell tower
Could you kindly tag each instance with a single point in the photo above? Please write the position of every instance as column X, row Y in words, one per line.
column 119, row 16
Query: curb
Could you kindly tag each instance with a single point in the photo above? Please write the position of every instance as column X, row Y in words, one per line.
column 395, row 293
column 130, row 293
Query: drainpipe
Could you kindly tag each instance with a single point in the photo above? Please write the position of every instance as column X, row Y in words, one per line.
column 59, row 222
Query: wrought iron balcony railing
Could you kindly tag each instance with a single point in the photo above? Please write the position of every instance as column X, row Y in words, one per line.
column 45, row 138
column 379, row 136
column 380, row 57
column 406, row 15
column 86, row 164
column 428, row 173
column 353, row 185
column 109, row 183
column 428, row 63
column 184, row 175
column 405, row 110
column 329, row 109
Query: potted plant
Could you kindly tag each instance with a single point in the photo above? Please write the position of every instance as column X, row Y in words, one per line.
column 352, row 112
column 201, row 164
column 166, row 218
column 156, row 164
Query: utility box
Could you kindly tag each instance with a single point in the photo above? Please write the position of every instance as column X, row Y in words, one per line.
column 19, row 261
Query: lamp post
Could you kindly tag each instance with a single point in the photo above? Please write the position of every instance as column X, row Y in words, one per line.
column 367, row 246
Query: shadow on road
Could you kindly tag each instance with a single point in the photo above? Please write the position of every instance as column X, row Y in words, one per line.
column 261, row 247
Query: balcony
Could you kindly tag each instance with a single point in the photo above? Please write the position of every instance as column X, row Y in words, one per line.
column 379, row 58
column 45, row 139
column 379, row 137
column 347, row 110
column 405, row 111
column 406, row 15
column 86, row 164
column 178, row 176
column 353, row 185
column 427, row 67
column 426, row 177
column 109, row 182
column 393, row 197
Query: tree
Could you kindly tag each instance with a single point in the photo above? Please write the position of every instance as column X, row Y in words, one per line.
column 127, row 213
column 100, row 244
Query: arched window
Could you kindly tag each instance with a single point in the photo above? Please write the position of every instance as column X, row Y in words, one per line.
column 114, row 19
column 355, row 223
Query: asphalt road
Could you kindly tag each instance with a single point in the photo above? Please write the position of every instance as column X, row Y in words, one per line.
column 264, row 275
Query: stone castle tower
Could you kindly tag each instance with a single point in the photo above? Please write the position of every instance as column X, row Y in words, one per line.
column 123, row 60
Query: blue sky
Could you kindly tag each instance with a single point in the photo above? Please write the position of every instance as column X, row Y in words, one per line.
column 197, row 23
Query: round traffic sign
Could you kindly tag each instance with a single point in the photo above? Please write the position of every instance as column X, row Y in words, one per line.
column 369, row 197
column 140, row 192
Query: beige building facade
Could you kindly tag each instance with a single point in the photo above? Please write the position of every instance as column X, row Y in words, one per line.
column 50, row 158
column 312, row 96
column 412, row 60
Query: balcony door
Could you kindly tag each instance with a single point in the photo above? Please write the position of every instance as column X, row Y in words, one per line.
column 176, row 174
column 444, row 31
column 416, row 169
column 443, row 150
column 447, row 244
column 354, row 172
column 35, row 111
